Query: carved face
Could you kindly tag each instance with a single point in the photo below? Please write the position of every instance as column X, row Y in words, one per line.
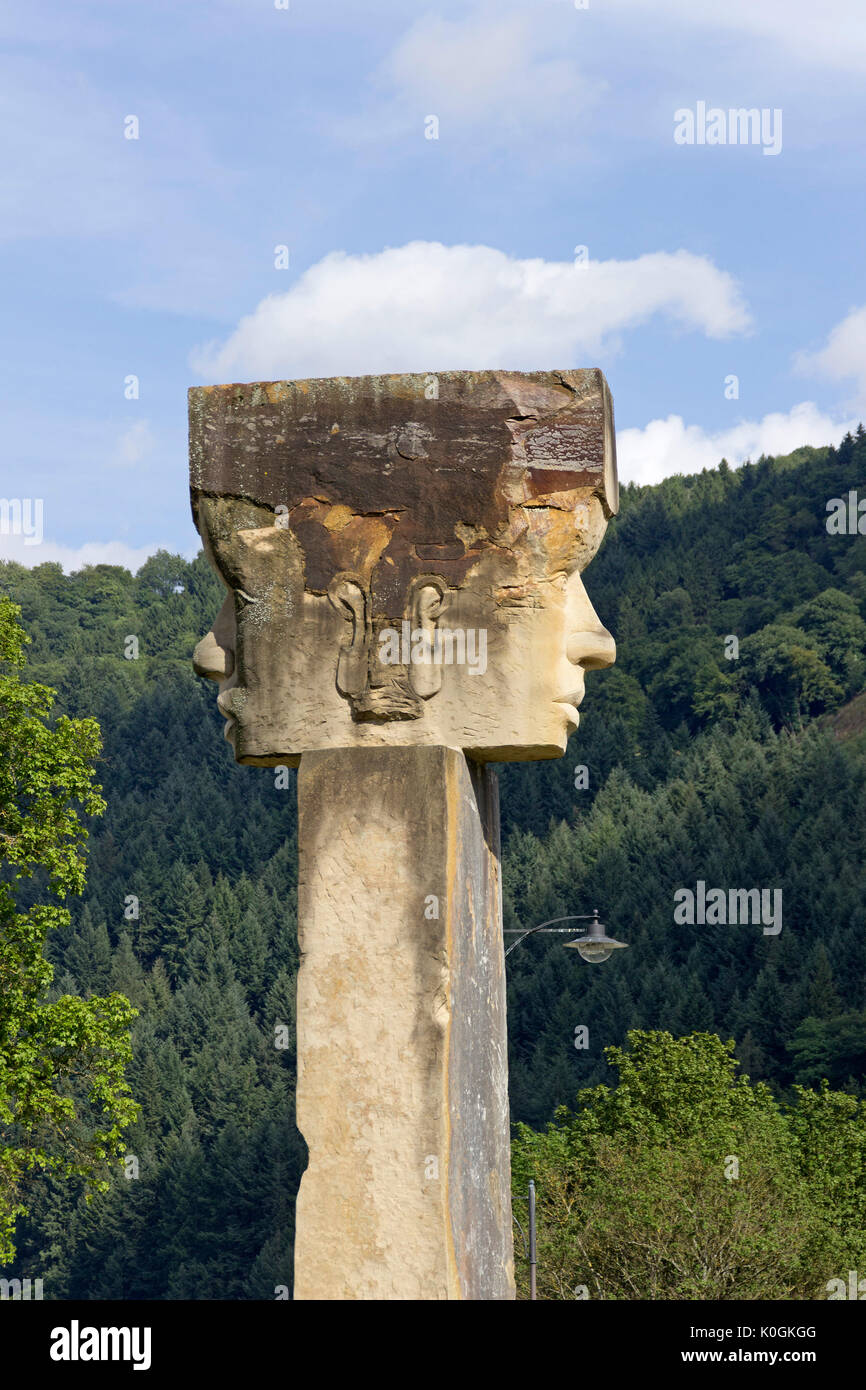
column 403, row 558
column 489, row 657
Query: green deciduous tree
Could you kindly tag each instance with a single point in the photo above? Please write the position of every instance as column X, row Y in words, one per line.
column 689, row 1182
column 64, row 1102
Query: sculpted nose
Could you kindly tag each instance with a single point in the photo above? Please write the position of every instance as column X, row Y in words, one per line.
column 592, row 649
column 212, row 660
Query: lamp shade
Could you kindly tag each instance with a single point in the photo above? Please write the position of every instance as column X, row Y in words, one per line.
column 595, row 945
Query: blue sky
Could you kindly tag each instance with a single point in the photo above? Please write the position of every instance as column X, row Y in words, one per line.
column 307, row 127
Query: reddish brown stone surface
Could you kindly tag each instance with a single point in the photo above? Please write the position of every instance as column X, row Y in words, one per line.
column 438, row 475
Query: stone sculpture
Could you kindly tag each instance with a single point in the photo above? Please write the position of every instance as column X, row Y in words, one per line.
column 402, row 557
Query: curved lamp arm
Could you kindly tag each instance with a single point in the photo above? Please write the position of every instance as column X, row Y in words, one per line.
column 585, row 917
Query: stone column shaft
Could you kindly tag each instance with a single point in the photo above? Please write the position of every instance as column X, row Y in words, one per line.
column 402, row 1056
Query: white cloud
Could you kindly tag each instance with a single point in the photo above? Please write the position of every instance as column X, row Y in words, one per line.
column 134, row 445
column 496, row 65
column 523, row 68
column 665, row 447
column 74, row 558
column 425, row 306
column 843, row 356
column 830, row 34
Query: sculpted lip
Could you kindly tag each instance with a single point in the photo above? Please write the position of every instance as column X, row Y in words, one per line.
column 573, row 697
column 571, row 710
column 569, row 702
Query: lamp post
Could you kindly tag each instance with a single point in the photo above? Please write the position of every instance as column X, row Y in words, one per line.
column 594, row 944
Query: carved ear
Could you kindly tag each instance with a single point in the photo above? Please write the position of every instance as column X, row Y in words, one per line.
column 425, row 605
column 350, row 601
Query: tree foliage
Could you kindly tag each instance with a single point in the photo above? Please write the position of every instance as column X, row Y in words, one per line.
column 64, row 1100
column 686, row 1181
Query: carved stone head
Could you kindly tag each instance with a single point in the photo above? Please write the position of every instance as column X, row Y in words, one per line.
column 403, row 558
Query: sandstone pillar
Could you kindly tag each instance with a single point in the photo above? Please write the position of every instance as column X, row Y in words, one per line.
column 402, row 1054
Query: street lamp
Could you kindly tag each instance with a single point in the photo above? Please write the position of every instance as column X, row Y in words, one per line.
column 594, row 945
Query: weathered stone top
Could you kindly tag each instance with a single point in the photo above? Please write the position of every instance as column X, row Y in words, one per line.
column 449, row 447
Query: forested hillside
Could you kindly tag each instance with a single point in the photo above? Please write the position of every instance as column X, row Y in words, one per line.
column 737, row 763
